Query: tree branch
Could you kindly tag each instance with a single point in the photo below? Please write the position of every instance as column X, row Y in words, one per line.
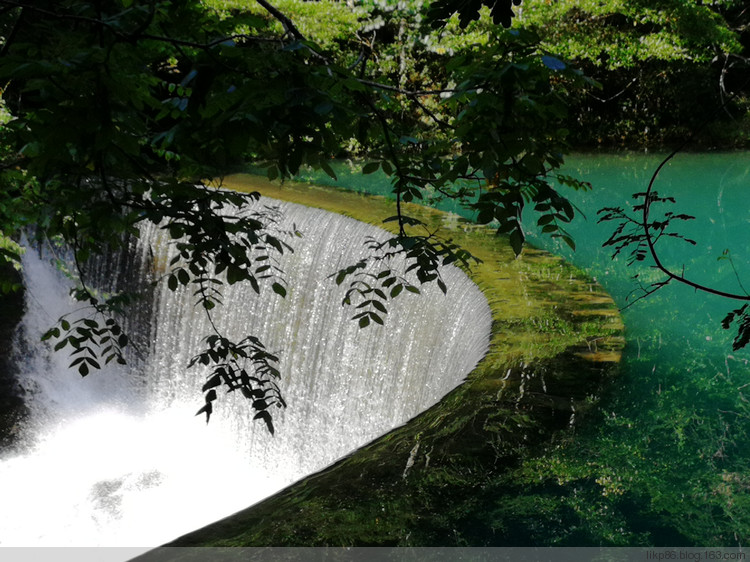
column 405, row 92
column 648, row 199
column 286, row 23
column 396, row 163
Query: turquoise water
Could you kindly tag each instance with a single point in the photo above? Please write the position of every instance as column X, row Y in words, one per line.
column 668, row 461
column 714, row 188
column 665, row 459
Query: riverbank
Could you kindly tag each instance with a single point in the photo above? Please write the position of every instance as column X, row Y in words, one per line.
column 556, row 341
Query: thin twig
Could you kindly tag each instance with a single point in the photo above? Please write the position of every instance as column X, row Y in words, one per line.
column 286, row 23
column 645, row 218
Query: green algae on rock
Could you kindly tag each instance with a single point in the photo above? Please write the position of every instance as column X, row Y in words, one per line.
column 556, row 339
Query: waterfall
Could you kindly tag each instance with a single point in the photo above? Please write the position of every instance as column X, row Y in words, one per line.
column 119, row 459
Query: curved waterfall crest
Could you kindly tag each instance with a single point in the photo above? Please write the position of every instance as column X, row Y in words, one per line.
column 142, row 469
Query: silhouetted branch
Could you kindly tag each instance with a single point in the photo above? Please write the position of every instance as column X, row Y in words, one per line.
column 648, row 199
column 286, row 23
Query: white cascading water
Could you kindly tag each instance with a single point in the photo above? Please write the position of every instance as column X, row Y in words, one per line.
column 119, row 459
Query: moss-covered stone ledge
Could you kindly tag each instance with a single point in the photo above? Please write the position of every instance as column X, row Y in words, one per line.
column 556, row 338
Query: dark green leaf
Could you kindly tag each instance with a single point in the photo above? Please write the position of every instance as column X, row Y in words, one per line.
column 442, row 286
column 516, row 241
column 207, row 408
column 328, row 170
column 266, row 417
column 213, row 381
column 183, row 277
column 52, row 332
column 279, row 289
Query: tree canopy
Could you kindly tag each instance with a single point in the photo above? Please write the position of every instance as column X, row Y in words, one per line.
column 662, row 66
column 131, row 111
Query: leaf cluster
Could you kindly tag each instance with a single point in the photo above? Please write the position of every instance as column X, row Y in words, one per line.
column 245, row 366
column 617, row 34
column 95, row 339
column 741, row 318
column 214, row 237
column 501, row 11
column 126, row 112
column 660, row 64
column 390, row 269
column 629, row 233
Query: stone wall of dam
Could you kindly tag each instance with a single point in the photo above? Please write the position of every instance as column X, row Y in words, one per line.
column 442, row 478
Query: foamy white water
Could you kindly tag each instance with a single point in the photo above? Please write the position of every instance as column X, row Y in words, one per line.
column 119, row 459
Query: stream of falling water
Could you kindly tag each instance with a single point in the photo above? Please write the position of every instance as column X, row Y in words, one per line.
column 119, row 459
